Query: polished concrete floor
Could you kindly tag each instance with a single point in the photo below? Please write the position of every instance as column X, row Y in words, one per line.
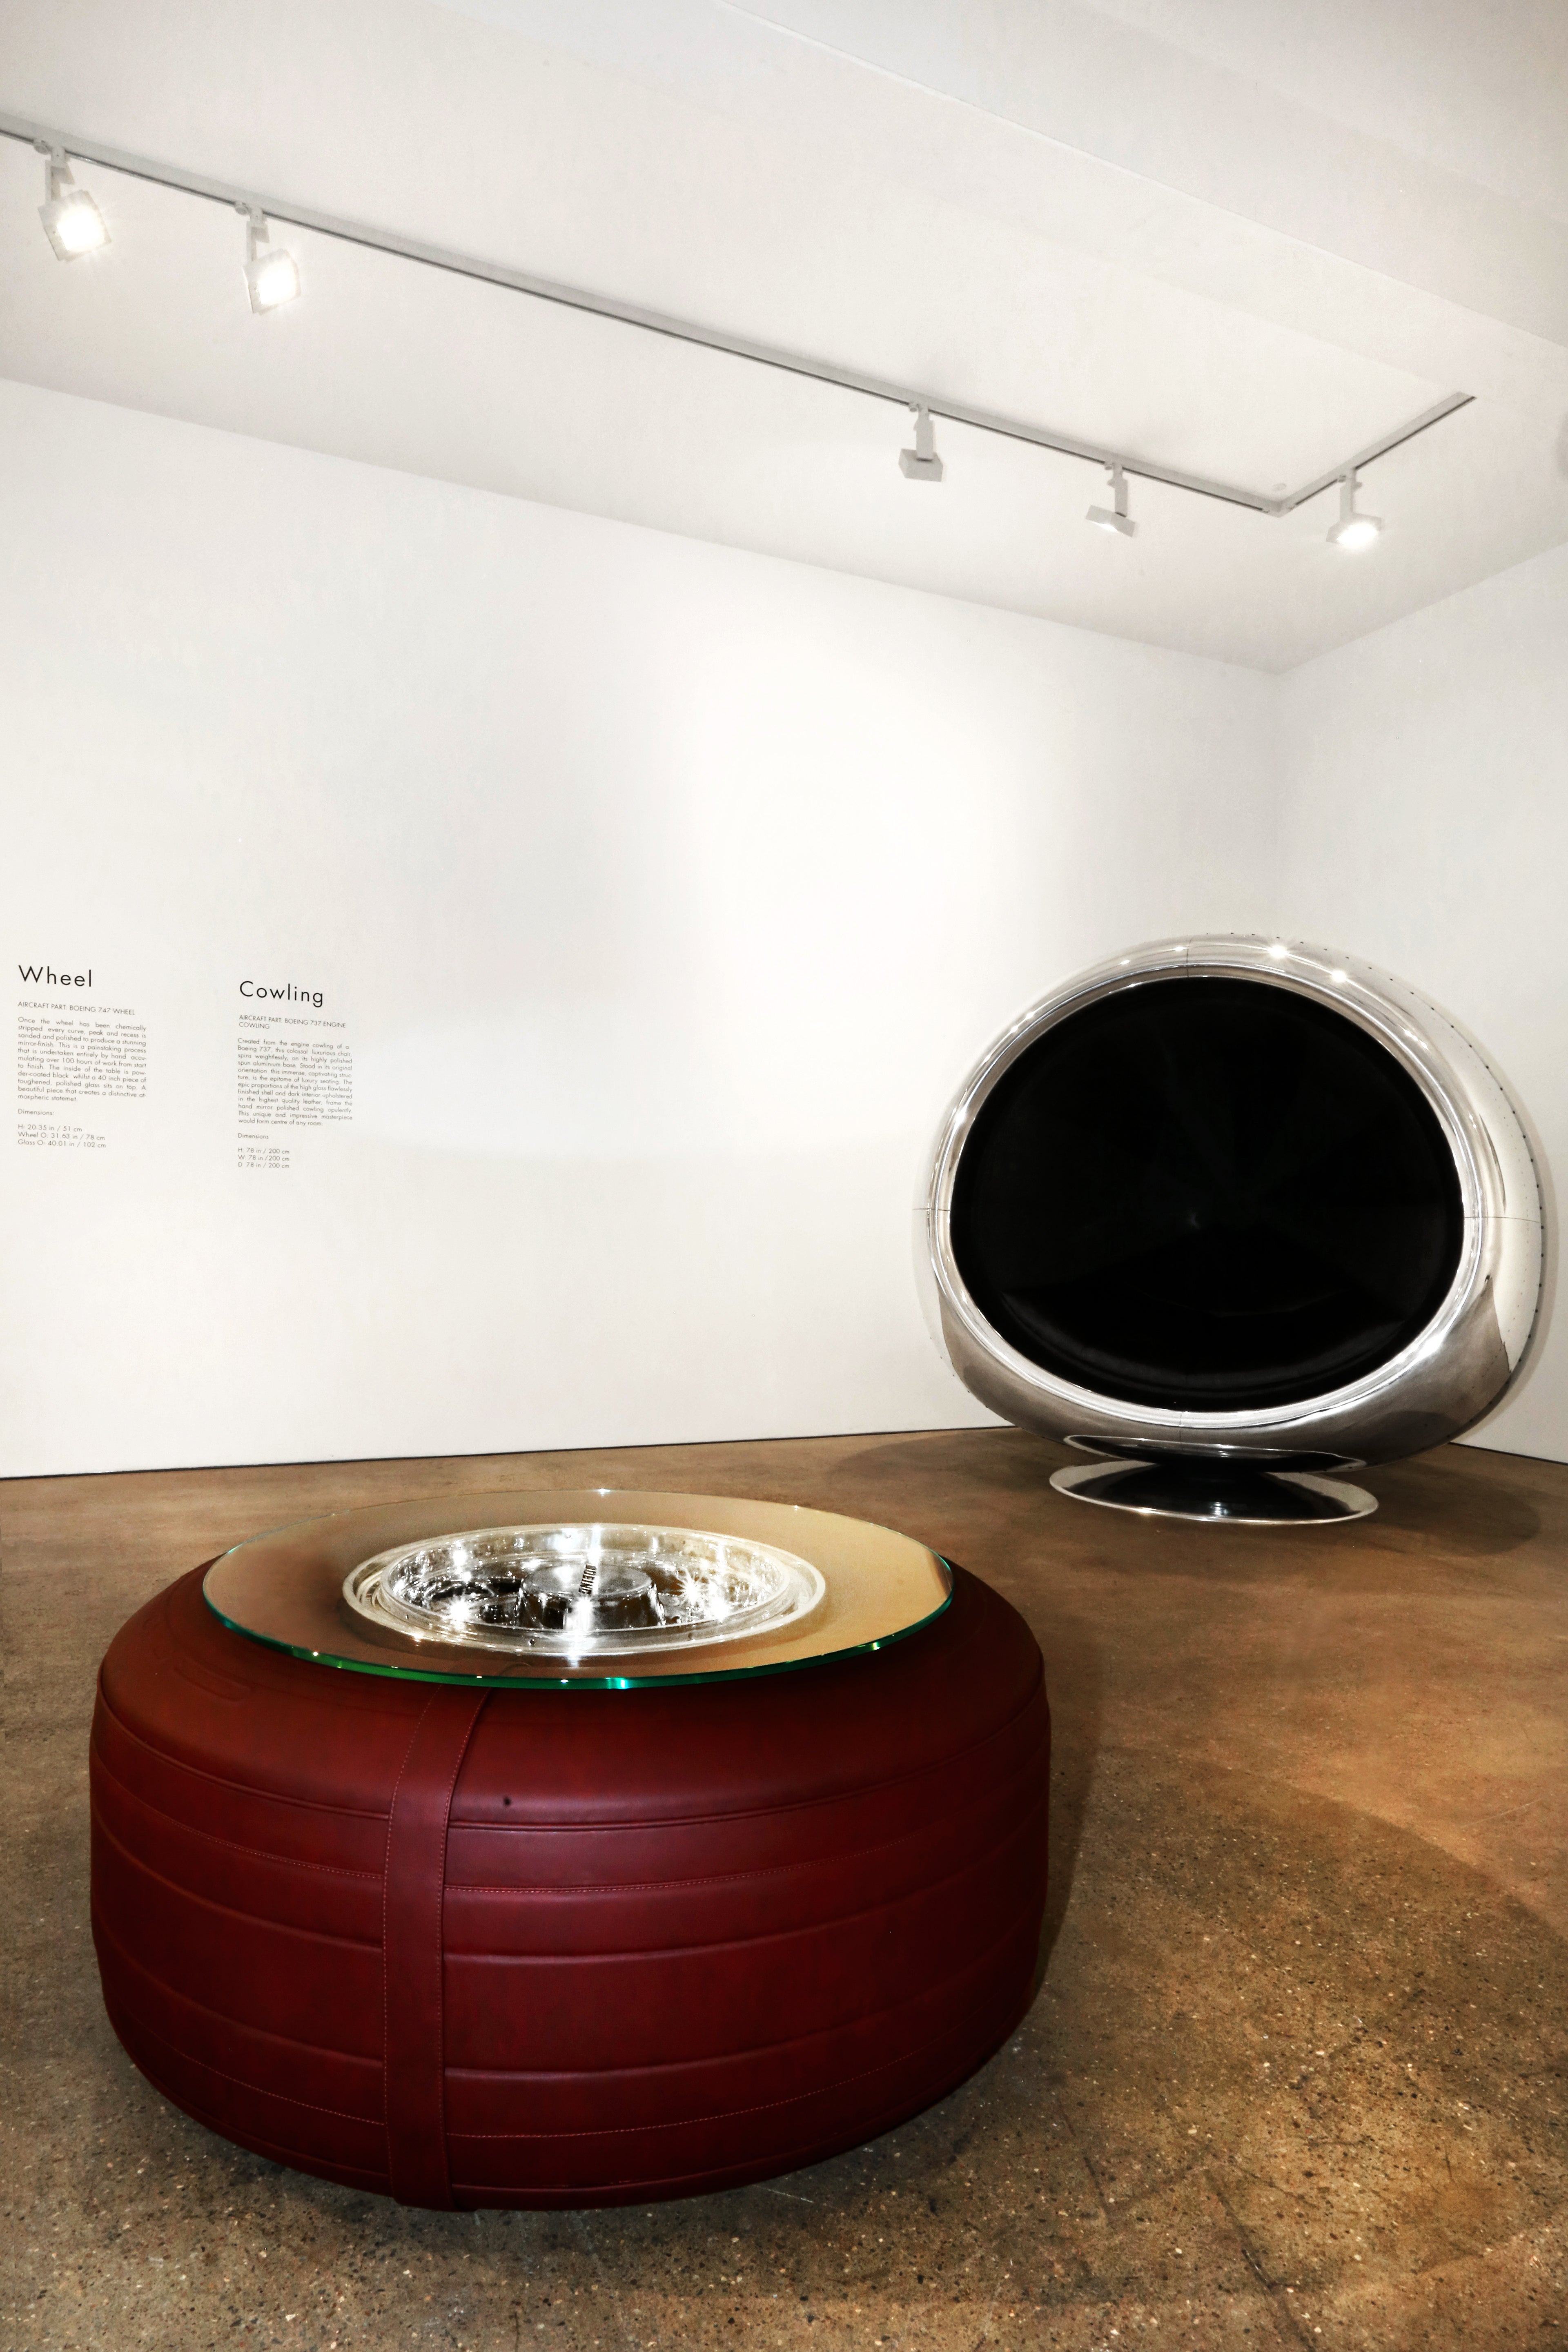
column 1297, row 2075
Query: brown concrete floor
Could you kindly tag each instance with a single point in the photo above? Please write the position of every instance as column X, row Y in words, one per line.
column 1297, row 2073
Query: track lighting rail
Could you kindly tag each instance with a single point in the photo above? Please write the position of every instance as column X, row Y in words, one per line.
column 688, row 331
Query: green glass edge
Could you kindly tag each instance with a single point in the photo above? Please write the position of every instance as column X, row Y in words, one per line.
column 577, row 1681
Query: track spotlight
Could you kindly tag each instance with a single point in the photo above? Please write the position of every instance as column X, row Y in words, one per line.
column 75, row 225
column 1115, row 516
column 271, row 272
column 72, row 222
column 1352, row 530
column 921, row 463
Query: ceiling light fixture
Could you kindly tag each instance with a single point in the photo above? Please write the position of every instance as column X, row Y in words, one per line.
column 271, row 272
column 921, row 463
column 1114, row 517
column 72, row 222
column 272, row 278
column 1352, row 530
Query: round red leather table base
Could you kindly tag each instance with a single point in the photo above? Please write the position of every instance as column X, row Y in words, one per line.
column 559, row 1949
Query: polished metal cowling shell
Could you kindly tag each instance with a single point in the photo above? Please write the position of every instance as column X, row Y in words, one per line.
column 1455, row 1370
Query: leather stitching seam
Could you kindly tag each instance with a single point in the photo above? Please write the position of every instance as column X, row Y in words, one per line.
column 232, row 1845
column 316, row 2051
column 772, row 1935
column 218, row 1780
column 938, row 1768
column 260, row 2090
column 385, row 1955
column 720, row 2114
column 229, row 1910
column 851, row 1854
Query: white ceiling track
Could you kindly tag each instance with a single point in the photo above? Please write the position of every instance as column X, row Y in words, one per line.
column 714, row 339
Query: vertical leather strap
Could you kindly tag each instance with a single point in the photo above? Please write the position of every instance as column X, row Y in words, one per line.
column 413, row 1896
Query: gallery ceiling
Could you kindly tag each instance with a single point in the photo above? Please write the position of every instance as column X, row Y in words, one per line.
column 1236, row 238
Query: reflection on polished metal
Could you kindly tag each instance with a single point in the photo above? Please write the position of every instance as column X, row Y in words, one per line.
column 584, row 1590
column 1238, row 1213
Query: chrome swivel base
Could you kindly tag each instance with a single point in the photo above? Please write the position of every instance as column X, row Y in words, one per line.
column 1214, row 1491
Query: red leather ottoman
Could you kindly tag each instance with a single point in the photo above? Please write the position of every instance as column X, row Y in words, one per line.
column 470, row 1947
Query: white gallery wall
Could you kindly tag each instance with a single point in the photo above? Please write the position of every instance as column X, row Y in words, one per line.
column 655, row 896
column 1423, row 824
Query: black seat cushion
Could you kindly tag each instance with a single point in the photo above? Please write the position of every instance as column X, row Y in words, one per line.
column 1209, row 1195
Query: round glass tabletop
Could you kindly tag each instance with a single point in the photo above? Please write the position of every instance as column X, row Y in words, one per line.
column 587, row 1587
